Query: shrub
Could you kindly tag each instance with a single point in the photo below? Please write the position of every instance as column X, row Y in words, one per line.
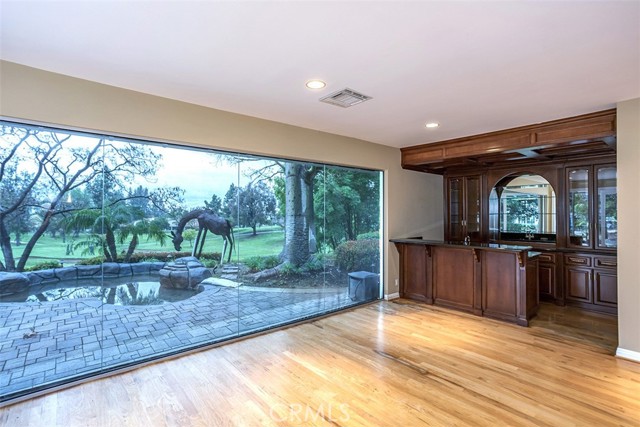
column 369, row 235
column 153, row 256
column 313, row 264
column 44, row 266
column 260, row 263
column 359, row 255
column 91, row 261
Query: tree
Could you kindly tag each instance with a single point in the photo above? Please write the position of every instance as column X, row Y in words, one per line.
column 349, row 205
column 230, row 204
column 214, row 205
column 49, row 165
column 257, row 205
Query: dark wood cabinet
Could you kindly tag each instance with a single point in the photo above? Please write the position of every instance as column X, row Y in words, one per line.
column 591, row 207
column 578, row 284
column 464, row 208
column 547, row 271
column 576, row 157
column 414, row 280
column 591, row 281
column 487, row 280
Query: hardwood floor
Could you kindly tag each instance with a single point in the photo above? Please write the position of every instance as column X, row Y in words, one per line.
column 385, row 364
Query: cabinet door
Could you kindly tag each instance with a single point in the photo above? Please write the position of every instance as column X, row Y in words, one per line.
column 606, row 288
column 413, row 274
column 578, row 284
column 579, row 207
column 547, row 280
column 606, row 207
column 472, row 207
column 455, row 193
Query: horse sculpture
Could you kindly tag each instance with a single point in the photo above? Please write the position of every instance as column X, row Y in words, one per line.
column 207, row 221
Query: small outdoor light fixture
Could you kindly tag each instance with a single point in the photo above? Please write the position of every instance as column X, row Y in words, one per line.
column 432, row 125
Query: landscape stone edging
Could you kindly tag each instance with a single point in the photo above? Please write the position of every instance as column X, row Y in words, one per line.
column 108, row 269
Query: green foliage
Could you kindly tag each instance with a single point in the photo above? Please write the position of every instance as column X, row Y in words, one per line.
column 214, row 205
column 314, row 264
column 347, row 204
column 44, row 266
column 155, row 257
column 359, row 255
column 260, row 263
column 97, row 260
column 369, row 235
column 288, row 269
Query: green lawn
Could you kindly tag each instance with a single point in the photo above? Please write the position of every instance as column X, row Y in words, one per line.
column 268, row 241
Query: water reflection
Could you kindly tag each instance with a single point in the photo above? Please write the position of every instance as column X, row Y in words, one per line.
column 142, row 292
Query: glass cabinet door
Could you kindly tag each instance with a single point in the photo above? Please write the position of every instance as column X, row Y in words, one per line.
column 579, row 220
column 607, row 224
column 455, row 209
column 473, row 207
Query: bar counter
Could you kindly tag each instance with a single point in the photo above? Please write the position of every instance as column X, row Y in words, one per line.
column 486, row 279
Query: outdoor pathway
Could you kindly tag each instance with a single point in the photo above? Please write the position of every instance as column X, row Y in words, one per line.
column 82, row 336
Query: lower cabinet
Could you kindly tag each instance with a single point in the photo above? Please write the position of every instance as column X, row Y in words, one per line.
column 547, row 270
column 591, row 282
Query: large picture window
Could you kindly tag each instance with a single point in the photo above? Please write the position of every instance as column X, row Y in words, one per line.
column 116, row 251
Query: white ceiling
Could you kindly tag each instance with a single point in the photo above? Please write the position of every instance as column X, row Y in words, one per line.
column 472, row 66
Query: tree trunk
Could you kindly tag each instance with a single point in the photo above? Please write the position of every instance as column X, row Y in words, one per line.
column 111, row 244
column 296, row 248
column 36, row 236
column 7, row 251
column 309, row 208
column 132, row 247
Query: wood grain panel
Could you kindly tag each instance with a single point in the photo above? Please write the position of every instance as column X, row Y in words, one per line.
column 454, row 277
column 499, row 284
column 605, row 288
column 414, row 280
column 578, row 284
column 386, row 364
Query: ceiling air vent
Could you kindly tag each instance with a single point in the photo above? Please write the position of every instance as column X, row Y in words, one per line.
column 345, row 98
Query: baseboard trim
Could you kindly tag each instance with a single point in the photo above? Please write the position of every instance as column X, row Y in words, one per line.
column 623, row 353
column 394, row 295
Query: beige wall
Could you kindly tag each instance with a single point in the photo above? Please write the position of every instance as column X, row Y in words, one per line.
column 628, row 228
column 413, row 201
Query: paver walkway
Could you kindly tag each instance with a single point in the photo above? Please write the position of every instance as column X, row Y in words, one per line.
column 81, row 336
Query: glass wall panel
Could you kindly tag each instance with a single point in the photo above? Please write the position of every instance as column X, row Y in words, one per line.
column 116, row 251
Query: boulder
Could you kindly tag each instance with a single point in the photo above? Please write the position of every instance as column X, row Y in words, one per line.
column 183, row 273
column 13, row 282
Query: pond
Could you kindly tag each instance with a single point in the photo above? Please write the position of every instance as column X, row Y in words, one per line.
column 139, row 290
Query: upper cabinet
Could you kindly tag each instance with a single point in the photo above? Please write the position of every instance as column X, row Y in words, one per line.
column 607, row 212
column 592, row 207
column 464, row 208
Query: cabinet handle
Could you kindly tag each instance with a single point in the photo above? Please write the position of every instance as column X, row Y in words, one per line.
column 578, row 260
column 609, row 263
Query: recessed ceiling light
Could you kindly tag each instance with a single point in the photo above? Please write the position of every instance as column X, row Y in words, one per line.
column 315, row 84
column 432, row 125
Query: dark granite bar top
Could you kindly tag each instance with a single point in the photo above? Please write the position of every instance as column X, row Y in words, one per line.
column 489, row 246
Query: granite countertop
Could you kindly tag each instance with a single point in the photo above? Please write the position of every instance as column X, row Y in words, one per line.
column 490, row 246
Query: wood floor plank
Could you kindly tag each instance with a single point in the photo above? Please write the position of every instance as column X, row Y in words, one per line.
column 385, row 364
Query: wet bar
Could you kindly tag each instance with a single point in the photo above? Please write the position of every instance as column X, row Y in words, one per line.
column 492, row 280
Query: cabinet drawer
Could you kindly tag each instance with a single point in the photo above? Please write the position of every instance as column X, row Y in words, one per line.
column 547, row 258
column 605, row 261
column 582, row 260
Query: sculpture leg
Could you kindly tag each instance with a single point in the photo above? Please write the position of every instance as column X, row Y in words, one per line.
column 229, row 239
column 204, row 236
column 195, row 245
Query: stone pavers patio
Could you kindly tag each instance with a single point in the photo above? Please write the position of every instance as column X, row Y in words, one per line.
column 83, row 336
